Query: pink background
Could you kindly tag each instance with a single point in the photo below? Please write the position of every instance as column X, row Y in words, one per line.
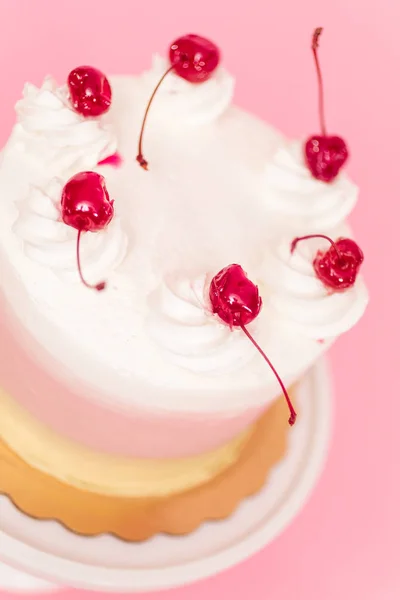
column 345, row 542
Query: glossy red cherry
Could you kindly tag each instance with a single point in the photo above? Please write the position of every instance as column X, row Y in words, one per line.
column 234, row 298
column 325, row 154
column 193, row 58
column 86, row 206
column 236, row 301
column 338, row 266
column 90, row 91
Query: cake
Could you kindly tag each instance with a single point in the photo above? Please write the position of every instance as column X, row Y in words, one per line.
column 170, row 267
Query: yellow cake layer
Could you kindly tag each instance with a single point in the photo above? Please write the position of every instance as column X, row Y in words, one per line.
column 80, row 467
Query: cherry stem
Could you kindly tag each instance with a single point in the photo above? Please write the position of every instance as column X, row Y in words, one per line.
column 140, row 158
column 99, row 286
column 316, row 236
column 293, row 415
column 314, row 47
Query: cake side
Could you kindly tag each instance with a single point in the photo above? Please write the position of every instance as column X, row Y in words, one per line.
column 137, row 519
column 102, row 473
column 72, row 410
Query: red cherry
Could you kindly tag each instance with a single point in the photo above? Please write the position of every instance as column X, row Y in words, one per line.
column 325, row 154
column 193, row 58
column 90, row 91
column 338, row 266
column 236, row 300
column 86, row 206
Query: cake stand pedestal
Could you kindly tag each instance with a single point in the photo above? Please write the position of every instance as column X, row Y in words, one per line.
column 17, row 582
column 104, row 563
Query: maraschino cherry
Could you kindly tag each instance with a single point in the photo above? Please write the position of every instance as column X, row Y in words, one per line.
column 86, row 206
column 325, row 154
column 90, row 91
column 193, row 58
column 338, row 266
column 237, row 302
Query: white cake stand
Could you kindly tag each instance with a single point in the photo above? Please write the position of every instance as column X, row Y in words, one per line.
column 103, row 563
column 15, row 581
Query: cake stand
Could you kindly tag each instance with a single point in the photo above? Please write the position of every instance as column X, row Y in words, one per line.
column 48, row 551
column 18, row 582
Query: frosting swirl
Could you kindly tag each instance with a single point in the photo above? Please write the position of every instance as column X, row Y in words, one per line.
column 186, row 102
column 180, row 323
column 50, row 242
column 292, row 191
column 300, row 298
column 62, row 139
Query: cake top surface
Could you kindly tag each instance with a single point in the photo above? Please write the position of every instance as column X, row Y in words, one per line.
column 222, row 188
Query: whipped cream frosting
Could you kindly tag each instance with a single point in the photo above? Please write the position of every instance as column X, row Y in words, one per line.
column 59, row 137
column 299, row 297
column 182, row 325
column 305, row 203
column 49, row 241
column 147, row 341
column 180, row 102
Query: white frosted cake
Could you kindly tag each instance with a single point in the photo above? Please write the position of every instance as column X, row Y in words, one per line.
column 149, row 390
